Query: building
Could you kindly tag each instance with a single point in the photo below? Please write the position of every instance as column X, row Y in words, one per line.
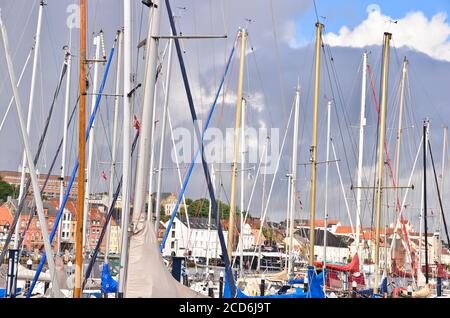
column 51, row 189
column 338, row 247
column 196, row 242
column 199, row 241
column 33, row 239
column 168, row 202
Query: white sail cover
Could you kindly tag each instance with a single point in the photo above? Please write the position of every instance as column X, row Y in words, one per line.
column 420, row 278
column 147, row 276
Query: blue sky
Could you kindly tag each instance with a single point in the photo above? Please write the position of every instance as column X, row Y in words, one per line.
column 353, row 12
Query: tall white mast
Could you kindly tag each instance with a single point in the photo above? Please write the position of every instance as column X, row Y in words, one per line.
column 146, row 138
column 399, row 135
column 293, row 179
column 64, row 145
column 241, row 236
column 126, row 151
column 422, row 215
column 263, row 200
column 288, row 218
column 30, row 111
column 91, row 146
column 326, row 185
column 29, row 158
column 444, row 144
column 151, row 171
column 362, row 124
column 112, row 168
column 213, row 181
column 163, row 138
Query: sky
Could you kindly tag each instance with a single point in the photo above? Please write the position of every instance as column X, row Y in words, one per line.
column 279, row 55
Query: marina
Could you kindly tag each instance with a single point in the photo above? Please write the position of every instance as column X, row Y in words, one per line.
column 220, row 149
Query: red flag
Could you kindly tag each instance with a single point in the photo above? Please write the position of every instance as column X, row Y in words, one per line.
column 136, row 123
column 104, row 176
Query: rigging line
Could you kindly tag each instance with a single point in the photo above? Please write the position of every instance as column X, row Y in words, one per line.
column 107, row 220
column 315, row 11
column 339, row 126
column 277, row 57
column 19, row 42
column 18, row 83
column 52, row 37
column 228, row 269
column 438, row 193
column 394, row 182
column 194, row 157
column 258, row 72
column 342, row 104
column 75, row 169
column 340, row 94
column 22, row 200
column 274, row 178
column 50, row 170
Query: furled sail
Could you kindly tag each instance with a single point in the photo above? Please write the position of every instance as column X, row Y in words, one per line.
column 147, row 276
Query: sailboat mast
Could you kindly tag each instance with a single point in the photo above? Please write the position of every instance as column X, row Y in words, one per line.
column 231, row 223
column 325, row 233
column 91, row 145
column 263, row 201
column 126, row 148
column 400, row 120
column 313, row 149
column 112, row 168
column 444, row 144
column 163, row 138
column 82, row 156
column 362, row 124
column 30, row 111
column 381, row 139
column 68, row 61
column 143, row 156
column 241, row 235
column 399, row 134
column 293, row 179
column 30, row 163
column 425, row 138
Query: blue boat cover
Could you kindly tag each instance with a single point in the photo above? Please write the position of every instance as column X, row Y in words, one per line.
column 3, row 292
column 109, row 284
column 315, row 289
column 383, row 288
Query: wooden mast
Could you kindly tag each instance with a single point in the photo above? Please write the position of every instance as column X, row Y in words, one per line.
column 381, row 139
column 313, row 149
column 231, row 223
column 82, row 156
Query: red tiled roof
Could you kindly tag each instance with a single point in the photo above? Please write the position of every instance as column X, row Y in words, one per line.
column 344, row 229
column 321, row 223
column 5, row 215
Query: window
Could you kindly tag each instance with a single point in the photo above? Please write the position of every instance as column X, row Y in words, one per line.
column 173, row 234
column 173, row 224
column 172, row 245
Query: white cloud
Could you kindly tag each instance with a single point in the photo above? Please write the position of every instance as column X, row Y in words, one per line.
column 414, row 30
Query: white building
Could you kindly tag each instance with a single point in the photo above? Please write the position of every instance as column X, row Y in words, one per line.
column 198, row 241
column 338, row 247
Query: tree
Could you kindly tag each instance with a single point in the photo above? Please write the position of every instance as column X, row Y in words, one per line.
column 7, row 189
column 200, row 208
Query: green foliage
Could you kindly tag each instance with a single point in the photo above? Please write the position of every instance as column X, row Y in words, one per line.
column 200, row 208
column 6, row 190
